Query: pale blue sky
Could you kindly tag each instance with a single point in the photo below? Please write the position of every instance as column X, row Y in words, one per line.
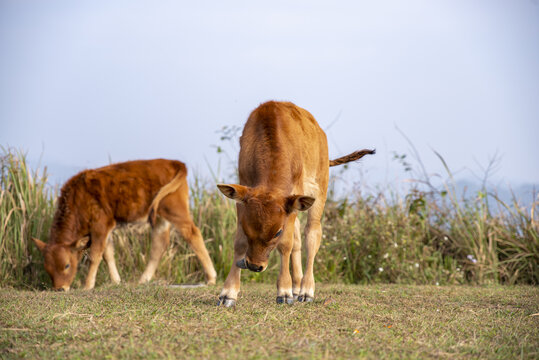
column 82, row 81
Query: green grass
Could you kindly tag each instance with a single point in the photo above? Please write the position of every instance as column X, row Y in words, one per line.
column 26, row 210
column 345, row 321
column 423, row 237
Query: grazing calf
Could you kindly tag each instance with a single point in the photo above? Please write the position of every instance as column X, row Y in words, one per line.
column 94, row 201
column 283, row 168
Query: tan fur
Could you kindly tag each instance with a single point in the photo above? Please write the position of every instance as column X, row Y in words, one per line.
column 94, row 201
column 283, row 168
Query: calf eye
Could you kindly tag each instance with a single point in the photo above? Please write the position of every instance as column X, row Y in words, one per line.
column 66, row 267
column 278, row 233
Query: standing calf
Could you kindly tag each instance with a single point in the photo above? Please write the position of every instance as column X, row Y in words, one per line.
column 283, row 168
column 94, row 201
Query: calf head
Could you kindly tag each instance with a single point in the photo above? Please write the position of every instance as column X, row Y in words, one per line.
column 61, row 261
column 263, row 216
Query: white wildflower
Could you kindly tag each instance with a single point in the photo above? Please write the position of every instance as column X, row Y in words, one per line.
column 471, row 258
column 380, row 269
column 437, row 283
column 386, row 255
column 416, row 265
column 395, row 245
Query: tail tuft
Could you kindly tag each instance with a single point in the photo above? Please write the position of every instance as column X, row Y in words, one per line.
column 153, row 214
column 351, row 157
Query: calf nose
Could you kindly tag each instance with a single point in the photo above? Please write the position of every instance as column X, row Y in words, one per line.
column 253, row 267
column 244, row 264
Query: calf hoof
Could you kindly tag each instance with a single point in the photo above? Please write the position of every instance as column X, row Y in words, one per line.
column 226, row 302
column 305, row 298
column 285, row 300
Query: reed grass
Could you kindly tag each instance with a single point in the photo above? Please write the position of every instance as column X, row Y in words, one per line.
column 26, row 210
column 423, row 237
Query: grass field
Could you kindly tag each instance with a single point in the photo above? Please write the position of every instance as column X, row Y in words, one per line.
column 412, row 241
column 345, row 321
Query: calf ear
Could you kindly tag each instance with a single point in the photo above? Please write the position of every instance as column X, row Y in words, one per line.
column 298, row 203
column 81, row 244
column 40, row 244
column 235, row 192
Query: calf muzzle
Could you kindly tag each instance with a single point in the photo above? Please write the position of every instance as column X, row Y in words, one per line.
column 244, row 264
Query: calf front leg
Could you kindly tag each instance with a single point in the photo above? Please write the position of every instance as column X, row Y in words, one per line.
column 284, row 281
column 231, row 288
column 312, row 240
column 295, row 261
column 97, row 248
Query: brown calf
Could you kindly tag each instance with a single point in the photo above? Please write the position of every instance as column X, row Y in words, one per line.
column 283, row 169
column 94, row 201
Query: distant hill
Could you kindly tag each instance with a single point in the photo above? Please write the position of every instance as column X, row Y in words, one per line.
column 523, row 193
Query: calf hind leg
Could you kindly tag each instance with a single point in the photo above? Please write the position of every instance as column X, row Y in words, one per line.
column 108, row 255
column 175, row 208
column 160, row 243
column 192, row 235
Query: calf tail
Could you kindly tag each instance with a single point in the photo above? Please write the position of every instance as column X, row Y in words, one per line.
column 351, row 157
column 169, row 188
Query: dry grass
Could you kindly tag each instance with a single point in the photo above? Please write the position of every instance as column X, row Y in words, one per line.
column 345, row 321
column 424, row 237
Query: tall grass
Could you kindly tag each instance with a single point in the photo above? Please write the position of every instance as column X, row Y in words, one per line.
column 26, row 210
column 425, row 237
